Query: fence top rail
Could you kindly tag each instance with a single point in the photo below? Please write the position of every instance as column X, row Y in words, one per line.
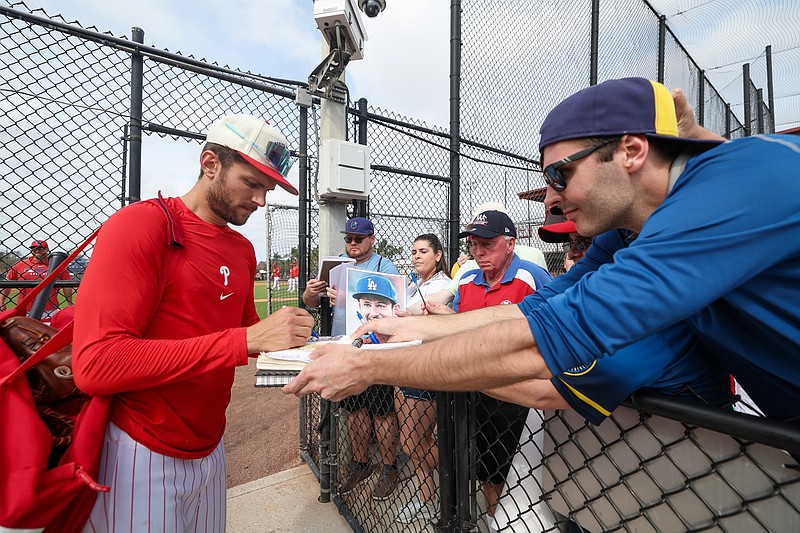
column 782, row 435
column 275, row 86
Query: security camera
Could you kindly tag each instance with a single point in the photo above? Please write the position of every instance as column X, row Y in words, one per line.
column 340, row 24
column 372, row 7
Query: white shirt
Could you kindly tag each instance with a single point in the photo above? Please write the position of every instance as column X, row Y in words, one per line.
column 436, row 283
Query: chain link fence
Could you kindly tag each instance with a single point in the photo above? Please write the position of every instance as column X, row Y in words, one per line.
column 67, row 131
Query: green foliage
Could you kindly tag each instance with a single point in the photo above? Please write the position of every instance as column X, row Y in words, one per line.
column 8, row 259
column 387, row 250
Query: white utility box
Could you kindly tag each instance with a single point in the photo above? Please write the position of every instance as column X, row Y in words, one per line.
column 343, row 170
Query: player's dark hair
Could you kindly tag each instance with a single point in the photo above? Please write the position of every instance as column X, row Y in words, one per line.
column 436, row 245
column 227, row 156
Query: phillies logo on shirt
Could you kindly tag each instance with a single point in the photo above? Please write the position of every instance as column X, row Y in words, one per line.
column 505, row 302
column 225, row 271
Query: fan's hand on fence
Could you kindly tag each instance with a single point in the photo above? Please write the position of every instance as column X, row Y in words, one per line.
column 287, row 327
column 336, row 372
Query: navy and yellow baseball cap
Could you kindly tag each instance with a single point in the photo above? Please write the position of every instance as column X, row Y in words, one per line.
column 617, row 107
column 372, row 286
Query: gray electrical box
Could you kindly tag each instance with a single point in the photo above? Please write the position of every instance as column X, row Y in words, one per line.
column 343, row 170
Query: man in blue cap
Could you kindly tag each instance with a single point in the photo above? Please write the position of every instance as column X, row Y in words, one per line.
column 376, row 404
column 359, row 238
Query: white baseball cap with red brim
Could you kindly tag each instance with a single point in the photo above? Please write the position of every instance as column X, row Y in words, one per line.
column 258, row 143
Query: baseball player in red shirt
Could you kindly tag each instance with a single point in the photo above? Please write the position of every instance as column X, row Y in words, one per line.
column 164, row 315
column 34, row 268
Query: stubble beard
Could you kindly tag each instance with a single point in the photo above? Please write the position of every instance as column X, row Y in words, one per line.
column 220, row 203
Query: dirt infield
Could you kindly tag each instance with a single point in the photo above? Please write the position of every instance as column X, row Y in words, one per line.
column 262, row 433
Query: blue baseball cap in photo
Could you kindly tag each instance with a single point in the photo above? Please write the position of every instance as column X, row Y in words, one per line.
column 372, row 286
column 359, row 226
column 617, row 107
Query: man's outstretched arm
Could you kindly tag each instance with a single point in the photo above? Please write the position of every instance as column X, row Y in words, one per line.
column 534, row 393
column 479, row 358
column 436, row 326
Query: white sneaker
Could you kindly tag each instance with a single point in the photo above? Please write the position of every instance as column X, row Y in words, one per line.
column 417, row 510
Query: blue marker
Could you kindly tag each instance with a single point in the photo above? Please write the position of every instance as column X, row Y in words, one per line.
column 372, row 336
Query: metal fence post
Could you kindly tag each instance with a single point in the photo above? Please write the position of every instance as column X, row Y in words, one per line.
column 466, row 495
column 770, row 93
column 746, row 100
column 727, row 121
column 56, row 258
column 455, row 128
column 325, row 325
column 594, row 52
column 137, row 84
column 361, row 207
column 662, row 38
column 303, row 244
column 701, row 97
column 444, row 435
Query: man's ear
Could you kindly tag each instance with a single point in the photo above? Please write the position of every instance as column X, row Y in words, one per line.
column 396, row 309
column 210, row 164
column 635, row 149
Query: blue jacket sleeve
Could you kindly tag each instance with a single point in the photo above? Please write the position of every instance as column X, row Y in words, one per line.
column 602, row 251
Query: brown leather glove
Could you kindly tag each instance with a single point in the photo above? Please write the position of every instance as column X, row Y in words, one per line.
column 51, row 380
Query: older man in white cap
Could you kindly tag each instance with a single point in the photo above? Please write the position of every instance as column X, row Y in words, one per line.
column 169, row 365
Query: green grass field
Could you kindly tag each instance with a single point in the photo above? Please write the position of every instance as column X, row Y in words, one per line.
column 280, row 297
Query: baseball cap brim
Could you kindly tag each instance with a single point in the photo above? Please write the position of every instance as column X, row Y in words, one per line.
column 694, row 145
column 485, row 233
column 558, row 232
column 372, row 296
column 271, row 173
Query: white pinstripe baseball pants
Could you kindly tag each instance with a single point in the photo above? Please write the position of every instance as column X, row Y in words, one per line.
column 151, row 492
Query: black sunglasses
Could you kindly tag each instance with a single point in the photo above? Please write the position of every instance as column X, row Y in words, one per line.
column 555, row 178
column 349, row 238
column 580, row 244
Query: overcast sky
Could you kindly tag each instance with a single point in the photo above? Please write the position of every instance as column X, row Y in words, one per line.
column 406, row 64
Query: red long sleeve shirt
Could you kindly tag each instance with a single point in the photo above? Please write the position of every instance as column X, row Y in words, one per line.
column 161, row 327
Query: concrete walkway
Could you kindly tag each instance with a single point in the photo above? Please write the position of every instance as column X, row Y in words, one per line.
column 283, row 502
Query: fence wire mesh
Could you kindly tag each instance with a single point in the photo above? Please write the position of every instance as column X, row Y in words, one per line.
column 64, row 113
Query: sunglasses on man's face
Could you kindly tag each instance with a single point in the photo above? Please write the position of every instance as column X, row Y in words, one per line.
column 555, row 178
column 580, row 244
column 349, row 238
